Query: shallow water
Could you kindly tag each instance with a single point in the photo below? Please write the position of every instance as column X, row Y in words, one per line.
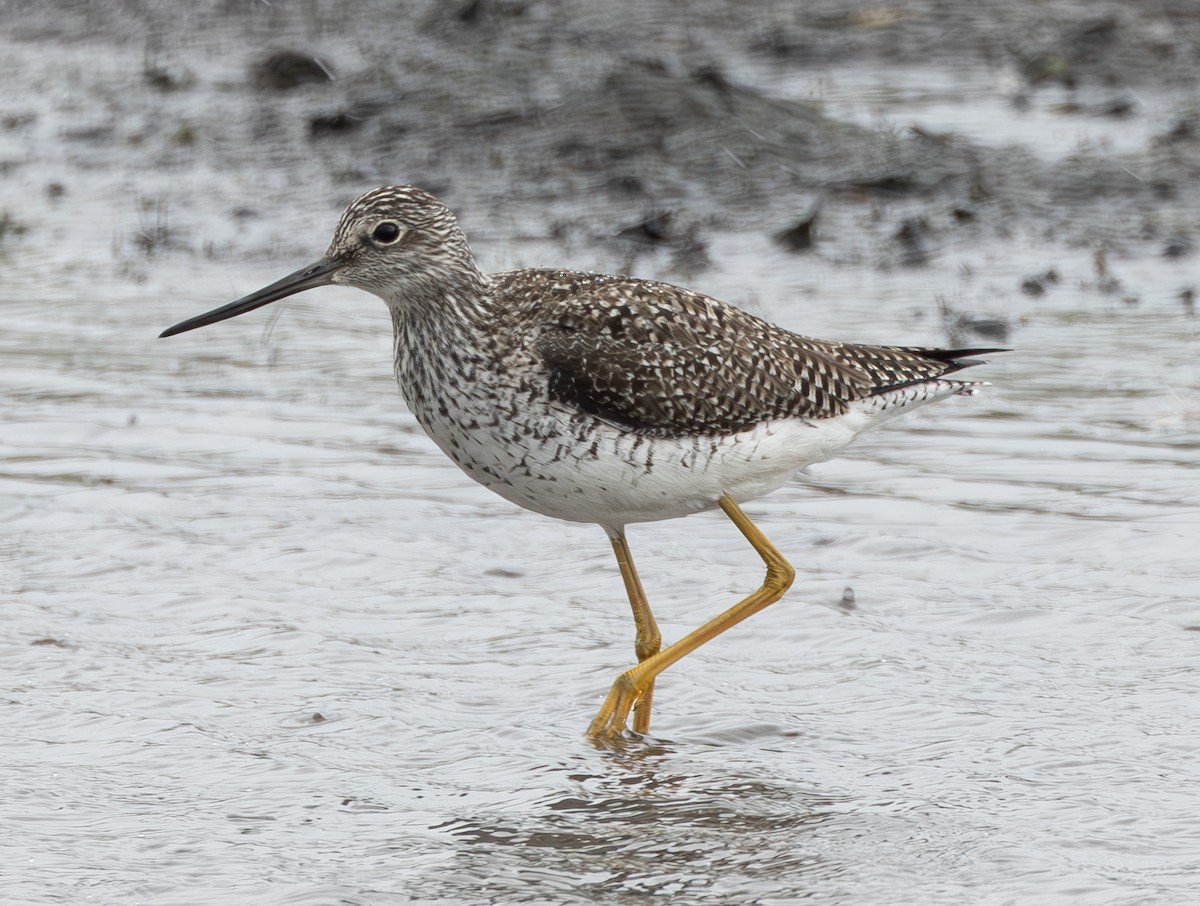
column 264, row 644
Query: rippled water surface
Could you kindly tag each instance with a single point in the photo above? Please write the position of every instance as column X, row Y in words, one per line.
column 263, row 644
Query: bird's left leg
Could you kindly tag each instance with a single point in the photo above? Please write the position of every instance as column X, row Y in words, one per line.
column 648, row 639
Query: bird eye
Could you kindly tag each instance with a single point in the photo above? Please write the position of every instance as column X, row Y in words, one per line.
column 387, row 232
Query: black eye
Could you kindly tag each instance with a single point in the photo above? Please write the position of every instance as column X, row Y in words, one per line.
column 387, row 232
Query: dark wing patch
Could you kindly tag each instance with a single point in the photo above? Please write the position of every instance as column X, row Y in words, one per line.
column 665, row 361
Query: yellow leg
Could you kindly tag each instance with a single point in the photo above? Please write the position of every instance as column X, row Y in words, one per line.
column 635, row 682
column 648, row 639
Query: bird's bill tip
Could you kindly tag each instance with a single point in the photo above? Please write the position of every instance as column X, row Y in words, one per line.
column 319, row 274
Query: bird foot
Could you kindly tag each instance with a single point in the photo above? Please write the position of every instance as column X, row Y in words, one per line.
column 610, row 720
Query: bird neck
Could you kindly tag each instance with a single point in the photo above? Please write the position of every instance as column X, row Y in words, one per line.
column 452, row 302
column 443, row 316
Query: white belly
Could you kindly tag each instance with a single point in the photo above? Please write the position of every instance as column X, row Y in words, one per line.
column 585, row 470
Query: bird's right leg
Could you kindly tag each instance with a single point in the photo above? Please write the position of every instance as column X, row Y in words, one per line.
column 633, row 685
column 648, row 639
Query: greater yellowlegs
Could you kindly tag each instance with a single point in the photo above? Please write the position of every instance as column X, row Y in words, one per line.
column 608, row 399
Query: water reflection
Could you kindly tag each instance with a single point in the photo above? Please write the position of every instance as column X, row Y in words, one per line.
column 635, row 823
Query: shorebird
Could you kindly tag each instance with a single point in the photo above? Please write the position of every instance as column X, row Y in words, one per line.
column 608, row 399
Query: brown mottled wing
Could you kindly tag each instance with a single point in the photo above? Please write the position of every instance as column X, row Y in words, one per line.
column 665, row 361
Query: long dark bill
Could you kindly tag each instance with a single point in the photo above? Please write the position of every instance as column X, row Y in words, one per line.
column 306, row 278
